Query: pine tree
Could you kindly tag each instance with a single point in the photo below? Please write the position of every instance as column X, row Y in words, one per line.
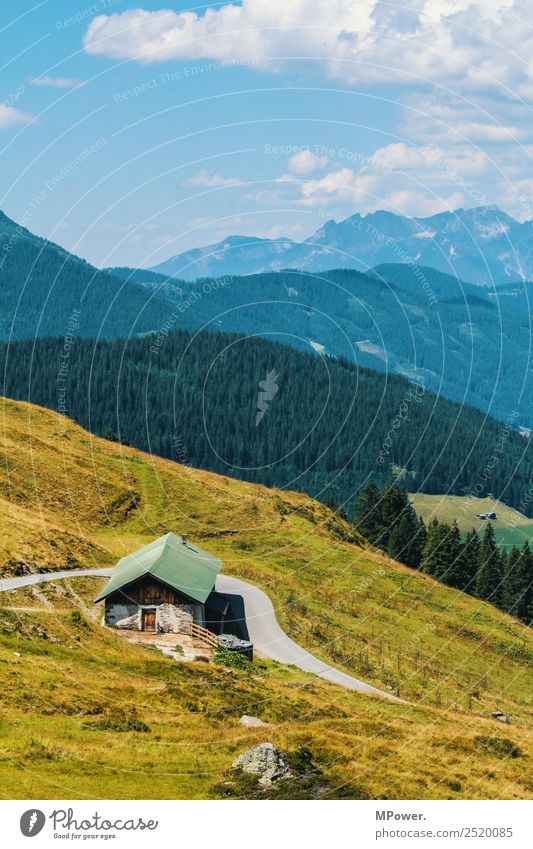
column 470, row 562
column 517, row 595
column 417, row 546
column 452, row 559
column 432, row 556
column 401, row 540
column 394, row 506
column 413, row 535
column 442, row 552
column 368, row 519
column 341, row 513
column 426, row 563
column 490, row 570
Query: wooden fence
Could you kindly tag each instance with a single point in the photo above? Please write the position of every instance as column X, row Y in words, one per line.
column 199, row 633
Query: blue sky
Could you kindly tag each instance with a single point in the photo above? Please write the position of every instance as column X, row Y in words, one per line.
column 130, row 132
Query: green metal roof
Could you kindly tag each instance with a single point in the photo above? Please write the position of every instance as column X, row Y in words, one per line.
column 182, row 566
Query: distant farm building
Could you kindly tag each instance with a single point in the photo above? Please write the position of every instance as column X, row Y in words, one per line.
column 166, row 587
column 488, row 515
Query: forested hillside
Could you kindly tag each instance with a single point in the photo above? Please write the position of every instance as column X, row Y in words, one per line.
column 475, row 565
column 45, row 291
column 263, row 412
column 459, row 340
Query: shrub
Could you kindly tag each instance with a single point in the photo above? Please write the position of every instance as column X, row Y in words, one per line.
column 282, row 507
column 39, row 750
column 77, row 619
column 500, row 747
column 306, row 782
column 119, row 721
column 232, row 659
column 301, row 761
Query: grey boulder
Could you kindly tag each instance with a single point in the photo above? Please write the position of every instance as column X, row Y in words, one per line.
column 501, row 717
column 264, row 760
column 251, row 721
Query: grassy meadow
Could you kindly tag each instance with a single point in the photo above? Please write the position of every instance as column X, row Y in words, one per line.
column 87, row 714
column 511, row 527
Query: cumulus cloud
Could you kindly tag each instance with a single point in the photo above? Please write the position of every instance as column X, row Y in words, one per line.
column 403, row 178
column 465, row 67
column 305, row 162
column 214, row 181
column 478, row 42
column 401, row 158
column 56, row 82
column 261, row 26
column 345, row 190
column 484, row 122
column 11, row 117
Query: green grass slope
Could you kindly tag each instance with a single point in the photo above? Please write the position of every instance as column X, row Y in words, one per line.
column 511, row 526
column 85, row 714
column 77, row 699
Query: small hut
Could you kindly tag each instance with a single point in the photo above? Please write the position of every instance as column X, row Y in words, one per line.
column 163, row 587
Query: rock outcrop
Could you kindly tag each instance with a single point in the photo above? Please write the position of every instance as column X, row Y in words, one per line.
column 264, row 760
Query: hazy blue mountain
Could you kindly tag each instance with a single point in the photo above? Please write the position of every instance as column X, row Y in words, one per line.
column 483, row 245
column 465, row 342
column 235, row 255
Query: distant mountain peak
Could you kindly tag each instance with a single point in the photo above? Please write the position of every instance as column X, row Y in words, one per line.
column 483, row 245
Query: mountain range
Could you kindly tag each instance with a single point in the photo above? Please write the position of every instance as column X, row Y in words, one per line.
column 483, row 245
column 465, row 342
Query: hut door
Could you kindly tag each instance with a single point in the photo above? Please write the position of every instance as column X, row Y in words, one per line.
column 149, row 619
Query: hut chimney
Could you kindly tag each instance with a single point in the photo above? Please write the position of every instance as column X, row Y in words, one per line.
column 184, row 539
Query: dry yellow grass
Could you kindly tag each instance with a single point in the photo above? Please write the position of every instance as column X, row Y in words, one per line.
column 63, row 680
column 70, row 499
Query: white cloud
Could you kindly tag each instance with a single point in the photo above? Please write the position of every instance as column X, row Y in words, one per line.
column 471, row 42
column 56, row 82
column 204, row 178
column 448, row 120
column 465, row 68
column 11, row 117
column 346, row 191
column 407, row 179
column 305, row 162
column 257, row 25
column 461, row 67
column 425, row 161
